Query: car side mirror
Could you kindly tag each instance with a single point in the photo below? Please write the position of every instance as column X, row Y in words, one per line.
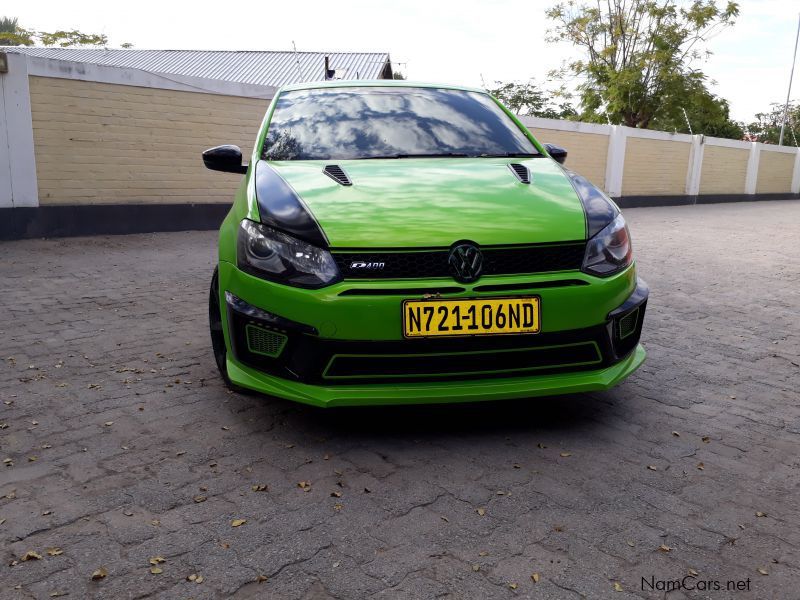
column 557, row 153
column 227, row 158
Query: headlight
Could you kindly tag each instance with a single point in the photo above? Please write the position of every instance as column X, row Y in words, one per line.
column 270, row 254
column 610, row 250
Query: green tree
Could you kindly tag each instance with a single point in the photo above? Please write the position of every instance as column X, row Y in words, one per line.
column 11, row 34
column 530, row 99
column 398, row 75
column 767, row 125
column 637, row 60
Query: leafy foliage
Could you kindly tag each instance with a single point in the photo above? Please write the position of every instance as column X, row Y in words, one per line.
column 767, row 125
column 637, row 61
column 11, row 34
column 530, row 99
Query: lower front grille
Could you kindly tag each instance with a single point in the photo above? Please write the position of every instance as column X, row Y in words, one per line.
column 507, row 361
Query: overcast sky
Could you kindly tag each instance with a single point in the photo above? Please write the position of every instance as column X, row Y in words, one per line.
column 448, row 41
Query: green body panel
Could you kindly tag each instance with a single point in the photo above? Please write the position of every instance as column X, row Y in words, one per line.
column 403, row 203
column 437, row 391
column 380, row 317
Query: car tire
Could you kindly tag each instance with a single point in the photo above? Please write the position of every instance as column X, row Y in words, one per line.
column 217, row 335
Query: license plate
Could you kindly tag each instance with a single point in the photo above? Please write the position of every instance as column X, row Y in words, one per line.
column 490, row 316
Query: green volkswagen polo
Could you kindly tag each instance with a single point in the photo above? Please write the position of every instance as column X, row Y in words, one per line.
column 396, row 243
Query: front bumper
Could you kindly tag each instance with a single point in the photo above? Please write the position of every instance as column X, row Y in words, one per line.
column 343, row 345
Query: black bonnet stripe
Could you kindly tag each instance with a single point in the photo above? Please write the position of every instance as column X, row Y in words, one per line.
column 280, row 207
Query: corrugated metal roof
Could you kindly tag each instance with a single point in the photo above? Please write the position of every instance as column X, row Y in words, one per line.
column 270, row 68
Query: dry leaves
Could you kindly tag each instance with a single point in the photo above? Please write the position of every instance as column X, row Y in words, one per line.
column 617, row 586
column 693, row 573
column 566, row 454
column 676, row 434
column 476, row 568
column 304, row 485
column 157, row 560
column 513, row 586
column 259, row 487
column 100, row 573
column 700, row 466
column 338, row 506
column 55, row 551
column 761, row 514
column 108, row 423
column 156, row 570
column 336, row 494
column 31, row 555
column 238, row 522
column 762, row 571
column 481, row 511
column 261, row 579
column 195, row 577
column 199, row 499
column 664, row 548
column 535, row 578
column 652, row 467
column 706, row 439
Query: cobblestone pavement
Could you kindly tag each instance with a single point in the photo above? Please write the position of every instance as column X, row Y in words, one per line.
column 121, row 444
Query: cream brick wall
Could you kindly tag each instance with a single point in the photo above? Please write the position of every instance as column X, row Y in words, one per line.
column 587, row 152
column 655, row 167
column 775, row 171
column 103, row 143
column 724, row 170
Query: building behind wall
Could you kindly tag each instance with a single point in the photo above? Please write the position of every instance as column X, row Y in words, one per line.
column 95, row 140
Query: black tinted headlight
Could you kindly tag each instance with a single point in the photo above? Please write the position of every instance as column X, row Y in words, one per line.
column 599, row 208
column 610, row 250
column 270, row 254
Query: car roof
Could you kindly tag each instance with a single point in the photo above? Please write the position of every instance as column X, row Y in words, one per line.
column 398, row 83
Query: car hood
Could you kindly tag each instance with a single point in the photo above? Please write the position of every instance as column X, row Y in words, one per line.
column 401, row 203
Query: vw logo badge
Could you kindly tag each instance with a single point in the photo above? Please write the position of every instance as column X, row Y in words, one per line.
column 465, row 262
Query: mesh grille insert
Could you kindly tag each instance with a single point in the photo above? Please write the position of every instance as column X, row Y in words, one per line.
column 336, row 173
column 264, row 342
column 627, row 324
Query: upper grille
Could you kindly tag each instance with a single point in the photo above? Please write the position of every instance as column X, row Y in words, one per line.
column 433, row 263
column 337, row 173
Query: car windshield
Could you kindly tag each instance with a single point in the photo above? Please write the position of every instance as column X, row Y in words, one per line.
column 390, row 122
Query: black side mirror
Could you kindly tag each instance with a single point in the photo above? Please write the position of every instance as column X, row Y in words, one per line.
column 227, row 158
column 557, row 153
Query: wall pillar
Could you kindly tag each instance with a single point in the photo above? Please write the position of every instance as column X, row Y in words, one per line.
column 695, row 169
column 751, row 178
column 18, row 186
column 796, row 173
column 615, row 162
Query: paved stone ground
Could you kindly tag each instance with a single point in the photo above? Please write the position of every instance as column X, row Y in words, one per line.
column 124, row 445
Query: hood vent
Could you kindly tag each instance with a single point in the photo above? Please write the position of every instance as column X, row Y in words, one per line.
column 336, row 173
column 521, row 171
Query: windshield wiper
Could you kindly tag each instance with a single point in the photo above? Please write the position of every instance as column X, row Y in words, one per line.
column 437, row 155
column 510, row 155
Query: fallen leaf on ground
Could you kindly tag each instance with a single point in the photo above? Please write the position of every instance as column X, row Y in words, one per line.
column 617, row 586
column 338, row 506
column 225, row 428
column 513, row 586
column 55, row 551
column 701, row 466
column 631, row 544
column 238, row 522
column 304, row 485
column 156, row 570
column 483, row 553
column 31, row 555
column 157, row 559
column 676, row 434
column 566, row 454
column 535, row 577
column 762, row 571
column 445, row 519
column 761, row 514
column 336, row 494
column 664, row 548
column 706, row 439
column 652, row 467
column 261, row 579
column 476, row 568
column 259, row 487
column 693, row 572
column 541, row 445
column 108, row 423
column 481, row 511
column 100, row 573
